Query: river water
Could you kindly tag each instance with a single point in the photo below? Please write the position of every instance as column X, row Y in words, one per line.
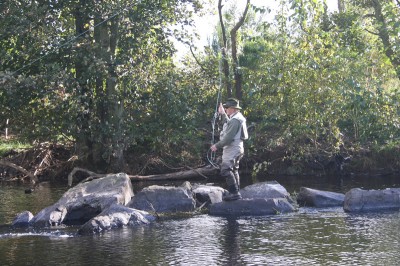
column 308, row 237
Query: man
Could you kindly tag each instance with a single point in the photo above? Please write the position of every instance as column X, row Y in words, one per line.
column 233, row 133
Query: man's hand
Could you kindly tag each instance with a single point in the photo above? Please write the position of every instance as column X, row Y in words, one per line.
column 221, row 109
column 214, row 148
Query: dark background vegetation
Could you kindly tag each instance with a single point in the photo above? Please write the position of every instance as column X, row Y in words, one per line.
column 94, row 84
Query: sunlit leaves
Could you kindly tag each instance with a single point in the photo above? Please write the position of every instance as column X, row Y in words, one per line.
column 298, row 80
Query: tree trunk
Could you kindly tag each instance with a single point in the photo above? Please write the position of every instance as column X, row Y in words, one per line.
column 101, row 119
column 236, row 66
column 84, row 143
column 341, row 6
column 108, row 151
column 100, row 152
column 117, row 117
column 225, row 63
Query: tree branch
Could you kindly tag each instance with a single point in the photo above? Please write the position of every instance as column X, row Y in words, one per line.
column 197, row 61
column 32, row 177
column 371, row 32
column 77, row 169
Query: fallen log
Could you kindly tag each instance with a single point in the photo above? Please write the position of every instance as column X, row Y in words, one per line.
column 92, row 175
column 188, row 174
column 32, row 177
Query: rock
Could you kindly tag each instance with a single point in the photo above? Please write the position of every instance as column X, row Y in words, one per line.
column 319, row 198
column 263, row 198
column 265, row 190
column 86, row 200
column 251, row 207
column 22, row 219
column 164, row 199
column 116, row 216
column 208, row 194
column 359, row 200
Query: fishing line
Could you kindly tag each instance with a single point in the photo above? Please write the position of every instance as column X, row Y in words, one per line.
column 211, row 155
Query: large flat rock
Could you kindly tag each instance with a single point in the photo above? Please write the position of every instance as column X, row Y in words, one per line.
column 86, row 200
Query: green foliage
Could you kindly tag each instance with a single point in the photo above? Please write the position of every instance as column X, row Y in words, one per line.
column 11, row 145
column 318, row 88
column 86, row 65
column 167, row 118
column 312, row 81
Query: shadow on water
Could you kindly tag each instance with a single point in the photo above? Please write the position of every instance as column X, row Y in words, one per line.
column 232, row 241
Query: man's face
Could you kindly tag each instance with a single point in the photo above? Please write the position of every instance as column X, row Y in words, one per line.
column 230, row 111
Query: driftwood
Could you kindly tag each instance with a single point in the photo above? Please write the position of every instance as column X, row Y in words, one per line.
column 92, row 175
column 188, row 174
column 32, row 177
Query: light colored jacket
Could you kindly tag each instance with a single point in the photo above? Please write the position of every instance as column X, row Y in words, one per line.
column 234, row 131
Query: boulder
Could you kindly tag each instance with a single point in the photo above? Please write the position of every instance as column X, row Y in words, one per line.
column 319, row 198
column 264, row 190
column 86, row 200
column 359, row 200
column 22, row 219
column 164, row 199
column 116, row 216
column 207, row 194
column 263, row 198
column 251, row 207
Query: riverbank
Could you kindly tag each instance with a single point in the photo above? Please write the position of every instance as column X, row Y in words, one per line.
column 54, row 161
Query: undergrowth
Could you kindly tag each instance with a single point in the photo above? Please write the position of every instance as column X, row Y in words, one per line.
column 9, row 145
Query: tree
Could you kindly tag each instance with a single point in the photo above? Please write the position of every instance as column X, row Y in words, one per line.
column 386, row 14
column 234, row 50
column 98, row 45
column 316, row 79
column 138, row 36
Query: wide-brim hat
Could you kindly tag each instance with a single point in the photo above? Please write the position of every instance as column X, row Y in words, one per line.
column 233, row 103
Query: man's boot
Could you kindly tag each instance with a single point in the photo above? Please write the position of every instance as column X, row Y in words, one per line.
column 237, row 179
column 232, row 196
column 233, row 189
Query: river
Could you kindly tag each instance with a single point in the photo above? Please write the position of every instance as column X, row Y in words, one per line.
column 308, row 237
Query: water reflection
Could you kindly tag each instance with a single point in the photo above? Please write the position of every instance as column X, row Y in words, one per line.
column 192, row 240
column 231, row 242
column 14, row 199
column 308, row 237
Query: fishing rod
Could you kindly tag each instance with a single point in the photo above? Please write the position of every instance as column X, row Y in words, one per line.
column 211, row 155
